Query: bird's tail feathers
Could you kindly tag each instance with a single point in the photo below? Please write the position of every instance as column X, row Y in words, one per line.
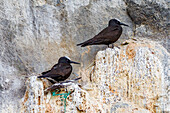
column 82, row 44
column 79, row 44
column 43, row 76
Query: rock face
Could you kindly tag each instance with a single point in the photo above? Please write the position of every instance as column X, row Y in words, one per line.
column 135, row 73
column 130, row 79
column 150, row 18
column 35, row 33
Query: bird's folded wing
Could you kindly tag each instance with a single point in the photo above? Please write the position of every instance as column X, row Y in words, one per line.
column 45, row 72
column 109, row 33
column 107, row 30
column 62, row 70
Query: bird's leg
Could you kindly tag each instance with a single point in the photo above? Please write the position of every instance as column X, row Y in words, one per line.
column 112, row 45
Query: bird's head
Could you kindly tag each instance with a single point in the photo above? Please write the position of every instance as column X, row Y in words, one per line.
column 114, row 22
column 66, row 59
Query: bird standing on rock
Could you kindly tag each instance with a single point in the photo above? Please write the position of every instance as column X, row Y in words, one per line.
column 60, row 71
column 107, row 36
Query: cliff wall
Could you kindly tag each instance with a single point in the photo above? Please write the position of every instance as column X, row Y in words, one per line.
column 35, row 33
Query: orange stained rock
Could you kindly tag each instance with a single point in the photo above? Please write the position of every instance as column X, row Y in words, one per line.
column 131, row 51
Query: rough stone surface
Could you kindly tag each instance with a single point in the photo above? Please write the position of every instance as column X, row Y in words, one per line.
column 80, row 100
column 135, row 73
column 151, row 19
column 35, row 33
column 130, row 79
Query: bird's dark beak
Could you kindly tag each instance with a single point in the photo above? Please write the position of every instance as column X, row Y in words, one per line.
column 124, row 24
column 74, row 62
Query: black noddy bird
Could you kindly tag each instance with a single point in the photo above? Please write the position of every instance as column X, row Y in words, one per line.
column 107, row 36
column 60, row 71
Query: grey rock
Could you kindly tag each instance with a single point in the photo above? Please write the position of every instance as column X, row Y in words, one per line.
column 35, row 33
column 151, row 19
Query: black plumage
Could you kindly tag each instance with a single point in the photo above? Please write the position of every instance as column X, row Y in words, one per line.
column 60, row 71
column 107, row 36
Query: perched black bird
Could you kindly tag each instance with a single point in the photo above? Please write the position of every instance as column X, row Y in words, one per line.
column 107, row 36
column 60, row 71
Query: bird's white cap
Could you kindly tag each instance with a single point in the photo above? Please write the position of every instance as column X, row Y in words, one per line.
column 67, row 57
